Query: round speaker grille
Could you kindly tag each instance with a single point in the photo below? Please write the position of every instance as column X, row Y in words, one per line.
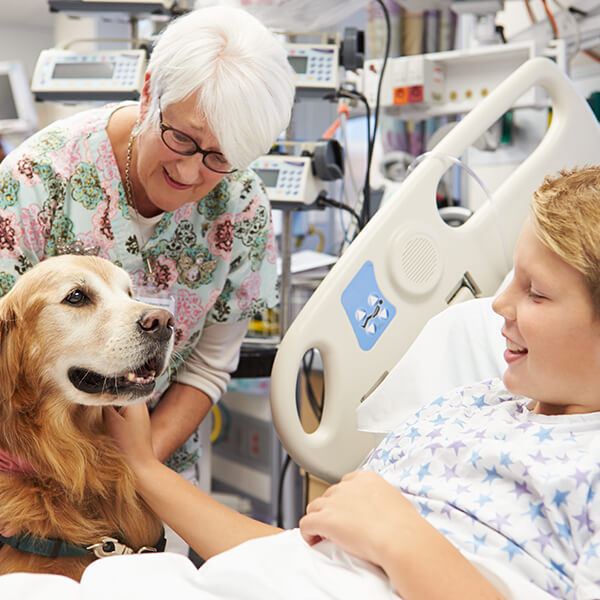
column 419, row 259
column 415, row 262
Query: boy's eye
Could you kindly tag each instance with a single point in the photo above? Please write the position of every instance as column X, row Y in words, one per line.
column 533, row 294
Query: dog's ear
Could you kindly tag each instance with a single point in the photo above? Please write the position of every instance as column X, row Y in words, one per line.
column 7, row 320
column 9, row 347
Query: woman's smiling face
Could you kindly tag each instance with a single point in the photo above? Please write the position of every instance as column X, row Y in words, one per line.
column 552, row 333
column 168, row 179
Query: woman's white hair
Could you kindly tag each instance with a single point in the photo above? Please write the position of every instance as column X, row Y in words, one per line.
column 238, row 71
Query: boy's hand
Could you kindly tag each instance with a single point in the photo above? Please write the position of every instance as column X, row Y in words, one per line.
column 130, row 427
column 363, row 514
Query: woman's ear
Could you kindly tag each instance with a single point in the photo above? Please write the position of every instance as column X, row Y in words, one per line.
column 145, row 97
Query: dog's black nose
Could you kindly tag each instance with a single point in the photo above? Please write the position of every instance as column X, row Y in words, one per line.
column 158, row 323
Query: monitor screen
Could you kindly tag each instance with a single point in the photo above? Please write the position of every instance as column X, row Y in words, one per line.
column 80, row 70
column 268, row 176
column 298, row 63
column 8, row 108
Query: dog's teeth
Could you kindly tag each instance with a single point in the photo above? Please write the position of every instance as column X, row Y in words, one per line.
column 133, row 378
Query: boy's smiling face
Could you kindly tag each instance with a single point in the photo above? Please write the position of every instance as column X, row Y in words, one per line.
column 552, row 333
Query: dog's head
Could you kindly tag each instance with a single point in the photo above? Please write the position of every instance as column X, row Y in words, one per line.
column 71, row 326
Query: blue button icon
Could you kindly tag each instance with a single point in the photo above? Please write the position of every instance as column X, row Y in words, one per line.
column 367, row 308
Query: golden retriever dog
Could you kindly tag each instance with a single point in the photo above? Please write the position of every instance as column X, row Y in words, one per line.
column 72, row 340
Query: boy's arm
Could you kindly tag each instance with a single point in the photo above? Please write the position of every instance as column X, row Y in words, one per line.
column 369, row 518
column 208, row 526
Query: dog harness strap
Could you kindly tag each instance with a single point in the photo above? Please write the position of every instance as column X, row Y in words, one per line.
column 26, row 542
column 161, row 544
column 42, row 546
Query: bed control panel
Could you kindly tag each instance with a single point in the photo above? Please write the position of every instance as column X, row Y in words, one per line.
column 368, row 310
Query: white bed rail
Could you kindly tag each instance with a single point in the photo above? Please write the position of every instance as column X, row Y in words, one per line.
column 405, row 263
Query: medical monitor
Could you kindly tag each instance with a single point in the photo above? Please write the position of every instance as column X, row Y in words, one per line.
column 17, row 108
column 129, row 6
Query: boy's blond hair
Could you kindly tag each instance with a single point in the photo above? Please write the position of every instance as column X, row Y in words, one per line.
column 566, row 214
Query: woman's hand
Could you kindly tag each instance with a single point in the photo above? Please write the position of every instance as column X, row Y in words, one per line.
column 363, row 514
column 130, row 427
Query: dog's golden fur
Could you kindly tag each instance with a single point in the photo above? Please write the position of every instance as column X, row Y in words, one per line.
column 80, row 489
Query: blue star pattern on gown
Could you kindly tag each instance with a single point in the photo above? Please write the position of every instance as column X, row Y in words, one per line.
column 504, row 482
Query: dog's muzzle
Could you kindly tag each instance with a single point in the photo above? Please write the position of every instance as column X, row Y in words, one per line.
column 156, row 328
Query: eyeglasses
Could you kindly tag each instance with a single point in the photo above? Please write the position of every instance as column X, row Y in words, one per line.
column 183, row 144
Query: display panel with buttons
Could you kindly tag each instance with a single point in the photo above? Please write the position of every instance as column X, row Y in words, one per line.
column 316, row 65
column 99, row 75
column 288, row 179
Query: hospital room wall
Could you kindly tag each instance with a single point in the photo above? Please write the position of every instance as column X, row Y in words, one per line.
column 22, row 42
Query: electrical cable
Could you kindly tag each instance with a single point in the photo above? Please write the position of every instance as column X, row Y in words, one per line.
column 346, row 229
column 356, row 95
column 366, row 206
column 529, row 11
column 306, row 486
column 575, row 24
column 551, row 19
column 343, row 226
column 323, row 201
column 315, row 406
column 317, row 409
column 310, row 394
column 577, row 11
column 286, row 464
column 591, row 55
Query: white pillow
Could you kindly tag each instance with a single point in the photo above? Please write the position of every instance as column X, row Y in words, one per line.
column 459, row 346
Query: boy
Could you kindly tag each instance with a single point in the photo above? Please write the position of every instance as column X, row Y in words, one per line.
column 490, row 480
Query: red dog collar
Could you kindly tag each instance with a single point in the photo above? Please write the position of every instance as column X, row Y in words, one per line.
column 14, row 464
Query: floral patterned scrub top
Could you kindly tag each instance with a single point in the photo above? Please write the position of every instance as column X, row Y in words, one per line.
column 61, row 191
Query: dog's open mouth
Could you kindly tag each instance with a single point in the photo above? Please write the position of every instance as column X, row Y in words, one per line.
column 140, row 380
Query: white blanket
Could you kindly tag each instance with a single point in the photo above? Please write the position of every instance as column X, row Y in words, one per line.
column 277, row 567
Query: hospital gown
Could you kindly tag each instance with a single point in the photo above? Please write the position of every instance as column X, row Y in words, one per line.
column 505, row 483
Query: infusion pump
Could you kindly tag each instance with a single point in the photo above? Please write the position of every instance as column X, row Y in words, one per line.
column 64, row 75
column 289, row 180
column 316, row 66
column 297, row 181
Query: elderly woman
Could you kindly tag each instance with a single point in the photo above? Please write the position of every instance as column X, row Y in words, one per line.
column 161, row 188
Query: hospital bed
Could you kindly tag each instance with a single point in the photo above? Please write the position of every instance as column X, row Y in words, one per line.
column 403, row 268
column 407, row 265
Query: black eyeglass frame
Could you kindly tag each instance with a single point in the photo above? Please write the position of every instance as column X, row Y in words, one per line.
column 164, row 128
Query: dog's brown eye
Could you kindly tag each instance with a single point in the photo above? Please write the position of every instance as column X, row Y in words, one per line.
column 76, row 298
